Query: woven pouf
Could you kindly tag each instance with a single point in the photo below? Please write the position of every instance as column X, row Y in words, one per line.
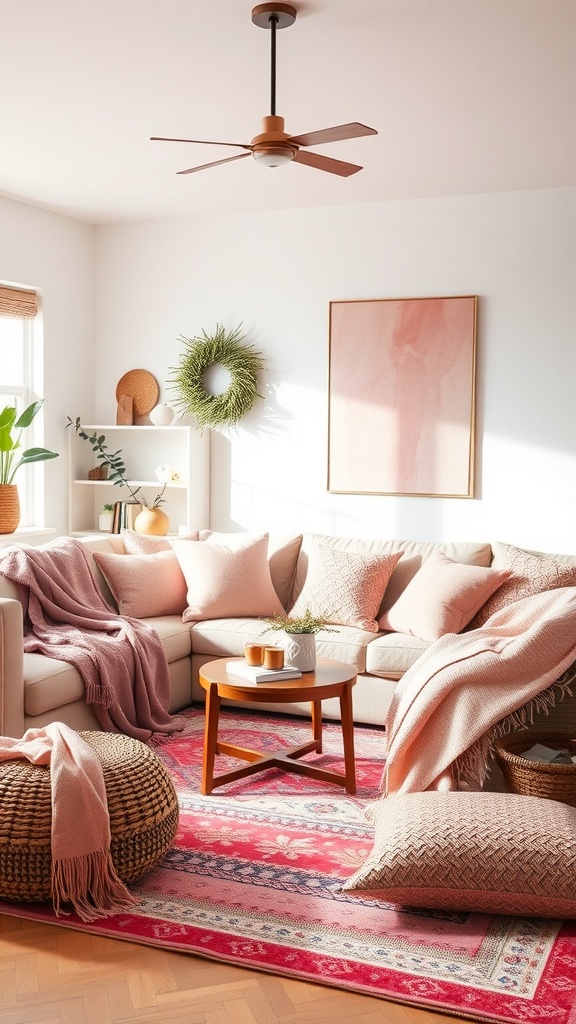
column 142, row 805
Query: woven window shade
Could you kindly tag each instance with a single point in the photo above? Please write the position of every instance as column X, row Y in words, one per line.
column 17, row 302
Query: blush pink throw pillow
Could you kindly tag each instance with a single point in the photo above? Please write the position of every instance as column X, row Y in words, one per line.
column 144, row 585
column 345, row 587
column 442, row 597
column 227, row 582
column 145, row 544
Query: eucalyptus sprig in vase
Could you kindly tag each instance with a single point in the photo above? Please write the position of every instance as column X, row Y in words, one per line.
column 152, row 519
column 299, row 637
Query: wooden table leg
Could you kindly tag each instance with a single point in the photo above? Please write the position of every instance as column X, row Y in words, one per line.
column 212, row 711
column 317, row 724
column 348, row 737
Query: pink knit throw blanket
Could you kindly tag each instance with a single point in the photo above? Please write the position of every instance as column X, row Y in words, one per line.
column 468, row 686
column 83, row 873
column 120, row 659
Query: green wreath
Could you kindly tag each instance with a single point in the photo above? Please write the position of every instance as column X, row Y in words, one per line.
column 243, row 363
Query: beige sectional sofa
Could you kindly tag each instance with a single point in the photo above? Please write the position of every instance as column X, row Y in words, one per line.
column 35, row 690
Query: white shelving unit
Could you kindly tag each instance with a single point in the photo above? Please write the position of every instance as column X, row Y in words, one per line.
column 143, row 448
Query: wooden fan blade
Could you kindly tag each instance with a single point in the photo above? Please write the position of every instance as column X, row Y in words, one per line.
column 341, row 131
column 200, row 142
column 326, row 163
column 215, row 163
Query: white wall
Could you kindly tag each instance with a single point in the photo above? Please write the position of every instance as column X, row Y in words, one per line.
column 277, row 273
column 56, row 255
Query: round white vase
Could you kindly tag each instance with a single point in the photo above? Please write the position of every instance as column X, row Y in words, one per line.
column 161, row 415
column 300, row 651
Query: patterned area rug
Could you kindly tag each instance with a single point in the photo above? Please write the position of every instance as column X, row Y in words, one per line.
column 254, row 879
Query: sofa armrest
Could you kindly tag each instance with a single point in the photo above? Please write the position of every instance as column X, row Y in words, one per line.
column 11, row 668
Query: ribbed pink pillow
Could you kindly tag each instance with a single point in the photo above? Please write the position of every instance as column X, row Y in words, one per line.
column 227, row 583
column 345, row 587
column 442, row 597
column 146, row 544
column 498, row 853
column 144, row 585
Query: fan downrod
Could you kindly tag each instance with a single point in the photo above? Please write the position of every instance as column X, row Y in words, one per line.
column 284, row 15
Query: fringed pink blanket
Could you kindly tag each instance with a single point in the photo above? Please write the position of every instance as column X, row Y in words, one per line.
column 468, row 687
column 83, row 873
column 121, row 660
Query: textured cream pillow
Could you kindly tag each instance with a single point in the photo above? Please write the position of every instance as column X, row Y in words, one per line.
column 497, row 853
column 283, row 551
column 531, row 572
column 225, row 583
column 144, row 585
column 146, row 544
column 442, row 597
column 345, row 587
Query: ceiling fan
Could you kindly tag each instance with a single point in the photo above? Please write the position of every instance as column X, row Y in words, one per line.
column 273, row 146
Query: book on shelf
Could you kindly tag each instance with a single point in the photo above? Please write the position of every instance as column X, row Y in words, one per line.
column 257, row 674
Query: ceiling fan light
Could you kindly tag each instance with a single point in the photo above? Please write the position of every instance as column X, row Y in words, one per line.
column 273, row 157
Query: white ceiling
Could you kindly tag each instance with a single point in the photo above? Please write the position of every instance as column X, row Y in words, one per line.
column 468, row 96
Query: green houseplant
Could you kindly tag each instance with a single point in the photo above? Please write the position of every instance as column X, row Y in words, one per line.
column 154, row 519
column 12, row 456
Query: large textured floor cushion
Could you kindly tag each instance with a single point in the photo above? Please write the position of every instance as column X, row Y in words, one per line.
column 142, row 805
column 492, row 852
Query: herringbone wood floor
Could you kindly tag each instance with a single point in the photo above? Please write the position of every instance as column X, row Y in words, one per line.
column 50, row 975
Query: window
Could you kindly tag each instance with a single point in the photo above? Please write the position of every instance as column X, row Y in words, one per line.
column 20, row 379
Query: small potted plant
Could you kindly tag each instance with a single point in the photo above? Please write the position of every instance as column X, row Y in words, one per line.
column 299, row 637
column 105, row 518
column 12, row 457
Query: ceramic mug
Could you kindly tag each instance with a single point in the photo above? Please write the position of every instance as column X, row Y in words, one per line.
column 254, row 654
column 274, row 657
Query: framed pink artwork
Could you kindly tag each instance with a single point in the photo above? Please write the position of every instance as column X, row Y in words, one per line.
column 401, row 396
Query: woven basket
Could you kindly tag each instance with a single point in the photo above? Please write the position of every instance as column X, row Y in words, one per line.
column 142, row 805
column 530, row 778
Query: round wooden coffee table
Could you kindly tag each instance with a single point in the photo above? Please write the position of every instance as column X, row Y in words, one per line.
column 330, row 679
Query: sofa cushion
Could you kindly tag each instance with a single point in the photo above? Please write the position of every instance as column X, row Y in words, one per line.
column 224, row 581
column 145, row 585
column 413, row 554
column 345, row 586
column 490, row 852
column 392, row 654
column 50, row 683
column 531, row 572
column 174, row 634
column 283, row 551
column 442, row 597
column 145, row 544
column 220, row 638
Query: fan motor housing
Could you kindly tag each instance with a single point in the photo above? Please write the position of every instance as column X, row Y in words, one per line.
column 273, row 138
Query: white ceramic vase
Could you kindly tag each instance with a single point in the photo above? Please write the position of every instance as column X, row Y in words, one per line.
column 300, row 651
column 162, row 415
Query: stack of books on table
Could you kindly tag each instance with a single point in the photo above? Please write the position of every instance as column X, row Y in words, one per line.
column 241, row 671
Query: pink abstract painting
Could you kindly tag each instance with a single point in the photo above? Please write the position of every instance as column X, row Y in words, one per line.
column 402, row 396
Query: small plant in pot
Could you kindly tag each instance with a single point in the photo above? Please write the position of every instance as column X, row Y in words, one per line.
column 105, row 518
column 12, row 457
column 299, row 637
column 152, row 519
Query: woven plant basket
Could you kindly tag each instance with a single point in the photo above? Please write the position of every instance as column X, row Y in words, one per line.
column 142, row 805
column 9, row 508
column 530, row 778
